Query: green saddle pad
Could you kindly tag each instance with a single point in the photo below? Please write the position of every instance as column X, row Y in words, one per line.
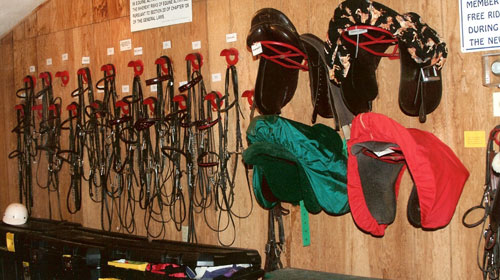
column 293, row 162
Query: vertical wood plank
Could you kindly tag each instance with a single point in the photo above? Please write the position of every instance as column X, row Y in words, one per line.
column 9, row 166
column 109, row 9
column 19, row 31
column 45, row 17
column 469, row 107
column 70, row 14
column 30, row 25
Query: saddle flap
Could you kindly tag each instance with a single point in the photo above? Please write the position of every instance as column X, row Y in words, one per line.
column 419, row 93
column 318, row 76
column 413, row 209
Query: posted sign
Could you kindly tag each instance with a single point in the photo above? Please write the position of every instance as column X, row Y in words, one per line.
column 147, row 14
column 479, row 25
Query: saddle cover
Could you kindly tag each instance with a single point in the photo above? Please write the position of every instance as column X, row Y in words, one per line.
column 384, row 147
column 421, row 41
column 422, row 53
column 293, row 162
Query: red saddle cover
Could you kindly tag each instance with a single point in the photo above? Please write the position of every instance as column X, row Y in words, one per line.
column 439, row 176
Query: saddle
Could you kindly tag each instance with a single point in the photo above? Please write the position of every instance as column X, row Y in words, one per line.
column 293, row 162
column 285, row 52
column 380, row 149
column 276, row 83
column 423, row 55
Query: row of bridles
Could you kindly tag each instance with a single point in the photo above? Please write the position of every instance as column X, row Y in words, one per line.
column 159, row 153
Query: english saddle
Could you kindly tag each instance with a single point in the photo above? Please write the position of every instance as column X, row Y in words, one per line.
column 284, row 54
column 423, row 55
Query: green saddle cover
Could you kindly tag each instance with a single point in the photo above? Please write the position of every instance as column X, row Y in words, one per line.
column 293, row 162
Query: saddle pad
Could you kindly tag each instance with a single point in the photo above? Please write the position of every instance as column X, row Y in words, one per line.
column 439, row 176
column 298, row 162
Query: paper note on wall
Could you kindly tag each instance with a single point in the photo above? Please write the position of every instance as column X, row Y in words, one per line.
column 474, row 139
column 147, row 14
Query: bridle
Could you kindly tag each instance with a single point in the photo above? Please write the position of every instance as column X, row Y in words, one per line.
column 49, row 131
column 26, row 141
column 490, row 206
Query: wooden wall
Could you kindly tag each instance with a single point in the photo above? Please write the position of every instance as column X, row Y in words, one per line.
column 88, row 28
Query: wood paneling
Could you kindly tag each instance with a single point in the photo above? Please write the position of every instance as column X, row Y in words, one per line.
column 27, row 28
column 109, row 9
column 57, row 15
column 45, row 18
column 88, row 28
column 8, row 122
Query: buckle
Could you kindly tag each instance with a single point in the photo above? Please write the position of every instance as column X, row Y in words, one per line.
column 429, row 74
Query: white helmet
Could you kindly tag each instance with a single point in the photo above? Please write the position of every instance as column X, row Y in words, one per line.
column 495, row 163
column 15, row 214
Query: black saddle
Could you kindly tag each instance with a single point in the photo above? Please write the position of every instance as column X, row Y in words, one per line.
column 284, row 54
column 353, row 67
column 276, row 83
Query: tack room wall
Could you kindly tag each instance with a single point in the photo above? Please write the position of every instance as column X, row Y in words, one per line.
column 83, row 28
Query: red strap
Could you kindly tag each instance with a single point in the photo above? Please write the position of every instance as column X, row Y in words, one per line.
column 249, row 95
column 195, row 64
column 20, row 107
column 160, row 269
column 150, row 101
column 138, row 66
column 228, row 53
column 284, row 58
column 385, row 38
column 64, row 75
column 181, row 100
column 211, row 97
column 163, row 62
column 123, row 106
